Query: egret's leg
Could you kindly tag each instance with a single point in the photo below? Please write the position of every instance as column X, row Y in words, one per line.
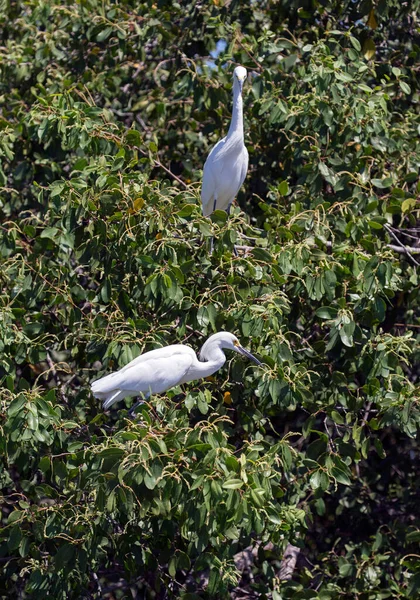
column 235, row 252
column 212, row 239
column 136, row 405
column 130, row 413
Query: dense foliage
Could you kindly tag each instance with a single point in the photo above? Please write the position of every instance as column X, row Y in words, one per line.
column 108, row 110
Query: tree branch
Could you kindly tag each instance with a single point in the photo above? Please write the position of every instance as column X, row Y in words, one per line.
column 401, row 248
column 159, row 164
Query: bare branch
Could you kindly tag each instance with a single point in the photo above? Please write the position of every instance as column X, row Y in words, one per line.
column 401, row 248
column 159, row 164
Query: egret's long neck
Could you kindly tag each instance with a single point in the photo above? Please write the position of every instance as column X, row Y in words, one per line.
column 236, row 128
column 211, row 359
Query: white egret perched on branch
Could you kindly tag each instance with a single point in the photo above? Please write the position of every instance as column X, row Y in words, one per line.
column 158, row 370
column 227, row 164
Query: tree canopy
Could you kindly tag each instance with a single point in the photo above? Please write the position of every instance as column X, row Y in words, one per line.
column 108, row 111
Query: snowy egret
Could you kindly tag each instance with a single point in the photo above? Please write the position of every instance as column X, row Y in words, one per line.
column 227, row 164
column 158, row 370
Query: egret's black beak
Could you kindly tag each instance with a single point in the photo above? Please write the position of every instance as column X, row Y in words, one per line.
column 248, row 355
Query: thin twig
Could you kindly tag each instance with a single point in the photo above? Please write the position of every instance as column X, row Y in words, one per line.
column 199, row 333
column 260, row 68
column 141, row 122
column 246, row 237
column 53, row 370
column 159, row 164
column 404, row 232
column 367, row 411
column 403, row 249
column 7, row 558
column 56, row 376
column 406, row 250
column 121, row 113
column 244, row 248
column 68, row 382
column 98, row 583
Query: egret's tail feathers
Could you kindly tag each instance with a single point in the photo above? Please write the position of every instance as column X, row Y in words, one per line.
column 112, row 398
column 106, row 389
column 104, row 385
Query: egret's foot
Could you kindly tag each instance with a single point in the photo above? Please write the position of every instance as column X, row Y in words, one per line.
column 132, row 410
column 235, row 252
column 131, row 416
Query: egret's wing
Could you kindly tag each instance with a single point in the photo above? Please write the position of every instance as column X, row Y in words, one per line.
column 105, row 385
column 208, row 188
column 165, row 352
column 244, row 166
column 155, row 375
column 243, row 162
column 154, row 372
column 210, row 175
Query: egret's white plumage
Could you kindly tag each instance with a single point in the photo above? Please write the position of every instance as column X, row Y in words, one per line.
column 158, row 370
column 227, row 164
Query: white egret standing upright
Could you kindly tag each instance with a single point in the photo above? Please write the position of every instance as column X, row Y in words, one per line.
column 158, row 370
column 227, row 164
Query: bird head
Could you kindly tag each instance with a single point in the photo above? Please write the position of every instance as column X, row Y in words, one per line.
column 239, row 75
column 227, row 341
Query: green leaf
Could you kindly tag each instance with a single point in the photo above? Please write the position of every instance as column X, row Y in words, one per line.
column 183, row 561
column 50, row 233
column 336, row 417
column 326, row 312
column 44, row 464
column 15, row 538
column 274, row 517
column 283, row 188
column 133, row 137
column 320, row 480
column 186, row 211
column 197, row 483
column 261, row 254
column 106, row 291
column 150, row 481
column 257, row 497
column 16, row 406
column 323, row 169
column 112, row 452
column 219, row 216
column 340, row 476
column 382, row 183
column 405, row 87
column 190, row 402
column 14, row 516
column 233, row 484
column 172, row 566
column 64, row 556
column 413, row 537
column 202, row 405
column 104, row 34
column 408, row 204
column 355, row 43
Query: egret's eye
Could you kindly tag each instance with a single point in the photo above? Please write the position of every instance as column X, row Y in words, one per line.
column 236, row 343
